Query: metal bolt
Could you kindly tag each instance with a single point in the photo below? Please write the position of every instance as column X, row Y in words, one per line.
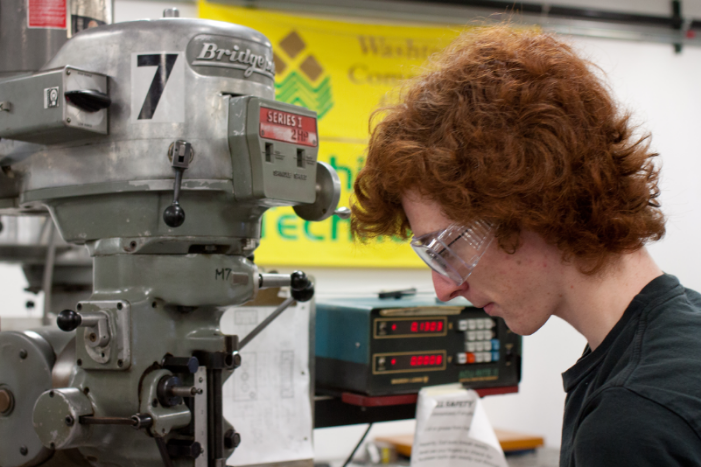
column 23, row 450
column 201, row 379
column 5, row 400
column 68, row 71
column 23, row 354
column 92, row 337
column 69, row 421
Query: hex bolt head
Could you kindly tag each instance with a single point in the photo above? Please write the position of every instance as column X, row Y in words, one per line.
column 232, row 439
column 69, row 420
column 23, row 354
column 23, row 450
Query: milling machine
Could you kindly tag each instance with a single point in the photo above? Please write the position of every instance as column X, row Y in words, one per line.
column 158, row 145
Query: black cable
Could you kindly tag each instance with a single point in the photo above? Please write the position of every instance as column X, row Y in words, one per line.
column 357, row 446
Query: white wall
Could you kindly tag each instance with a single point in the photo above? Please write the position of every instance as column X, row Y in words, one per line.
column 662, row 90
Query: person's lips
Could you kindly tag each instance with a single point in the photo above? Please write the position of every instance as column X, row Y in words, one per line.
column 489, row 308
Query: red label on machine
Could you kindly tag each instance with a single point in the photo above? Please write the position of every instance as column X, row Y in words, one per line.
column 47, row 14
column 288, row 127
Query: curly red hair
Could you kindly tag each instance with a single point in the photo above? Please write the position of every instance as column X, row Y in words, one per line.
column 511, row 126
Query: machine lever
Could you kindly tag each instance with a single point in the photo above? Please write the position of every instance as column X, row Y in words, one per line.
column 282, row 307
column 302, row 291
column 137, row 421
column 68, row 320
column 163, row 449
column 180, row 154
column 88, row 100
column 302, row 287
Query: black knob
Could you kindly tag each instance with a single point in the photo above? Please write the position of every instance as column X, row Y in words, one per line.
column 305, row 294
column 68, row 320
column 298, row 280
column 302, row 287
column 174, row 216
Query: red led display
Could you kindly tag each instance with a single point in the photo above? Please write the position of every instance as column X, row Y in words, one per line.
column 406, row 327
column 405, row 361
column 426, row 360
column 426, row 326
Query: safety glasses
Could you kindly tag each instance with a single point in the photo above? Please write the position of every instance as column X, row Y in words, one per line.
column 454, row 251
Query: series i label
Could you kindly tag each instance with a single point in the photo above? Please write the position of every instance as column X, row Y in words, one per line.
column 288, row 127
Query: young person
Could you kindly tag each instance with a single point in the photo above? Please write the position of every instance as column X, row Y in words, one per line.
column 528, row 193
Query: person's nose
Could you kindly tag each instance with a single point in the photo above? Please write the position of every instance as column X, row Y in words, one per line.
column 445, row 288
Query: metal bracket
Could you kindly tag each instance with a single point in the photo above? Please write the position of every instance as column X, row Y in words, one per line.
column 105, row 343
column 200, row 414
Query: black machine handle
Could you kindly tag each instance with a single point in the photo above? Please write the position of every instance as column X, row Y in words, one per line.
column 180, row 154
column 68, row 320
column 89, row 100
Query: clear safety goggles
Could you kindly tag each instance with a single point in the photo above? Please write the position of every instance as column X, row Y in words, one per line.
column 454, row 251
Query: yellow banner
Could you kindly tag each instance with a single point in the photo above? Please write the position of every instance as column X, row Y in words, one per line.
column 343, row 71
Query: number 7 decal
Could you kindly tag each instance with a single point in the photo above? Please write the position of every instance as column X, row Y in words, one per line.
column 165, row 64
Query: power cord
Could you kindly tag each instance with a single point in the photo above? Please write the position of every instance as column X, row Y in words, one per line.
column 357, row 446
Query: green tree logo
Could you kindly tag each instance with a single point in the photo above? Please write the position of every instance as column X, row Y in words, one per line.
column 300, row 77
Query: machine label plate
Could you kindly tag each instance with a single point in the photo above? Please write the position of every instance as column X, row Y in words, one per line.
column 288, row 127
column 46, row 14
column 231, row 57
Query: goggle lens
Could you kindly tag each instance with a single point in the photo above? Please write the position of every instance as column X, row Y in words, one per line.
column 455, row 251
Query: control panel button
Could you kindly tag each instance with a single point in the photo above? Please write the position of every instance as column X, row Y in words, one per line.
column 471, row 335
column 461, row 358
column 462, row 325
column 495, row 344
column 495, row 356
column 471, row 346
column 472, row 324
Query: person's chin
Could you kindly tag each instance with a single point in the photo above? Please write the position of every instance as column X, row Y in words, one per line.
column 520, row 327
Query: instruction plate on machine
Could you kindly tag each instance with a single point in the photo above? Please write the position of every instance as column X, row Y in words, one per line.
column 288, row 127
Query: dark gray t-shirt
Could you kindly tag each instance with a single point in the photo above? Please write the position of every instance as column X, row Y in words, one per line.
column 636, row 399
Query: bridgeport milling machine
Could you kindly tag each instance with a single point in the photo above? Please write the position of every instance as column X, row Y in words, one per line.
column 158, row 145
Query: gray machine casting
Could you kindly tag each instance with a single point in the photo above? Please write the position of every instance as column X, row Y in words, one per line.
column 158, row 145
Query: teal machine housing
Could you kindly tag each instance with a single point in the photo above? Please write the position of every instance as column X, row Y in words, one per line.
column 382, row 347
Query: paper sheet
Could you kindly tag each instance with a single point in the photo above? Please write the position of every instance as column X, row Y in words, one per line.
column 267, row 397
column 452, row 430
